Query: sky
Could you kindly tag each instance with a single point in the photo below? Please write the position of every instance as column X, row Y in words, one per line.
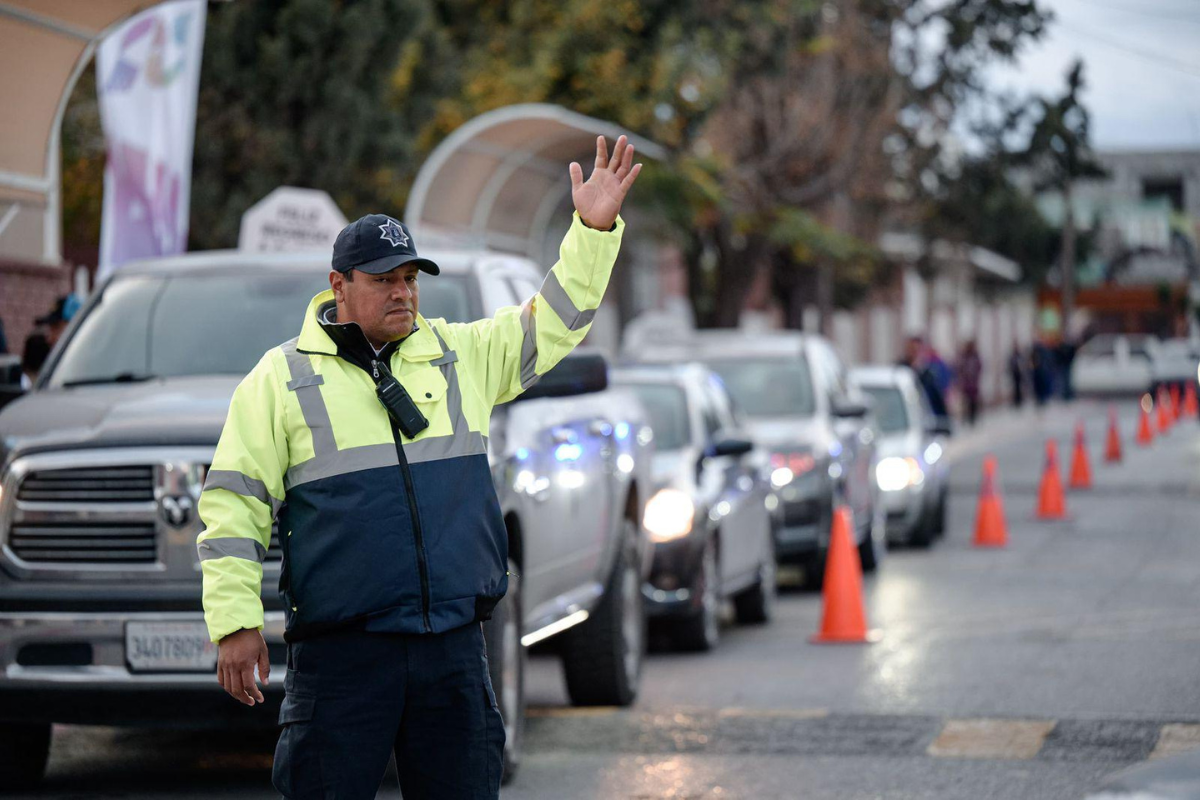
column 1141, row 65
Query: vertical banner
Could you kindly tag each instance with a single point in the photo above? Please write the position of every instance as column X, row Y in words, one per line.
column 147, row 75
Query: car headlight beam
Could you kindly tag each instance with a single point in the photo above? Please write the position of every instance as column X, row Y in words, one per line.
column 894, row 473
column 669, row 515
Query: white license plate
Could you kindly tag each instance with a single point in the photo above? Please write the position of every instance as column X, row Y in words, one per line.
column 169, row 647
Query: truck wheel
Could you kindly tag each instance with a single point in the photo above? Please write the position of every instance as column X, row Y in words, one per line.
column 602, row 657
column 754, row 605
column 24, row 751
column 702, row 630
column 506, row 662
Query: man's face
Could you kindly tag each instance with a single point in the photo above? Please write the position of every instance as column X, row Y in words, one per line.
column 384, row 306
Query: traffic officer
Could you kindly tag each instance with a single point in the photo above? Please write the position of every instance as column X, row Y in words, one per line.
column 366, row 438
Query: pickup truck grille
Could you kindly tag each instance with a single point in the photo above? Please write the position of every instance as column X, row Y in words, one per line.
column 115, row 484
column 85, row 541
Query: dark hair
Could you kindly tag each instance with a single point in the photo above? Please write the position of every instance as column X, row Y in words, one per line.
column 37, row 349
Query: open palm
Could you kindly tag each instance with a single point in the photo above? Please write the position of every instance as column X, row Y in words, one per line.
column 599, row 199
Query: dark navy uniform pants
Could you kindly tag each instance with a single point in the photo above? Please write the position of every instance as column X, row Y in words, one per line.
column 353, row 697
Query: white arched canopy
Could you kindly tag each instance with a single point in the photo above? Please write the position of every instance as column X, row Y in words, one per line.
column 501, row 179
column 44, row 46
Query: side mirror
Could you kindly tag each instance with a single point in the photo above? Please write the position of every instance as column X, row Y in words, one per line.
column 581, row 373
column 849, row 409
column 729, row 447
column 940, row 426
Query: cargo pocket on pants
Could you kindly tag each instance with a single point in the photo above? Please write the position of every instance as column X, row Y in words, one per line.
column 296, row 772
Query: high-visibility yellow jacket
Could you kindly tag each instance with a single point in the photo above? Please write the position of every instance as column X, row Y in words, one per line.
column 391, row 533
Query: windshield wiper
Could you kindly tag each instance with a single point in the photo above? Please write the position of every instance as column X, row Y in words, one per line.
column 124, row 377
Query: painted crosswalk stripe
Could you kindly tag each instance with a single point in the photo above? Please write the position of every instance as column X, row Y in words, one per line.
column 991, row 738
column 1176, row 738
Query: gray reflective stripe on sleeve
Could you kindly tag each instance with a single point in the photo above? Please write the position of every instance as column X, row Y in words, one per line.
column 562, row 304
column 312, row 404
column 240, row 483
column 232, row 547
column 529, row 352
column 352, row 459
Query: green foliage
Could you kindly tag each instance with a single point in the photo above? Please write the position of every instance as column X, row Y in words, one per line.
column 1059, row 148
column 307, row 93
column 982, row 205
column 769, row 109
column 82, row 172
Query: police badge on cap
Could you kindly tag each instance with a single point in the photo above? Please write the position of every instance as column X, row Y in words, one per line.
column 376, row 244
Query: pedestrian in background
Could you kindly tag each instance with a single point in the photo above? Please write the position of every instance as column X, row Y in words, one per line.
column 366, row 435
column 917, row 357
column 1042, row 368
column 34, row 355
column 55, row 322
column 1017, row 367
column 970, row 371
column 1065, row 357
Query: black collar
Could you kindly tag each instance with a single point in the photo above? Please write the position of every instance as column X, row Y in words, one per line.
column 351, row 342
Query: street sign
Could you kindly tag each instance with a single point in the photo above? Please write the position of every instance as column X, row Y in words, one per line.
column 291, row 219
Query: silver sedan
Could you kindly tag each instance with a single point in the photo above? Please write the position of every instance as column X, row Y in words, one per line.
column 911, row 471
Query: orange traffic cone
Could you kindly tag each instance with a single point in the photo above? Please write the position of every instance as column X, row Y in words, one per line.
column 1164, row 411
column 1176, row 409
column 1081, row 470
column 1145, row 433
column 990, row 530
column 1191, row 409
column 1112, row 450
column 842, row 618
column 1051, row 502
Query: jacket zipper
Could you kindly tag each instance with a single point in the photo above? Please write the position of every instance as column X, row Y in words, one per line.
column 406, row 474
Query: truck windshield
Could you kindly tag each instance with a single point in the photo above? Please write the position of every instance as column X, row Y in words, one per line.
column 150, row 326
column 773, row 387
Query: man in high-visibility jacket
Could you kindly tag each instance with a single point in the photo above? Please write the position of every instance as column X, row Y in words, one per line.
column 366, row 436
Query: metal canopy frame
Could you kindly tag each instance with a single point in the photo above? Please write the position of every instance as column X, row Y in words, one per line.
column 44, row 47
column 499, row 180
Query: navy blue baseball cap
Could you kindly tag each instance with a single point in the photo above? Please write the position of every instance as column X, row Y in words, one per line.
column 376, row 244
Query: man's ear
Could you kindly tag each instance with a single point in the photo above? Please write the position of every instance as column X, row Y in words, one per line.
column 337, row 282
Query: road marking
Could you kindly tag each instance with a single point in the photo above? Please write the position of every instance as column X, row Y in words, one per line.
column 586, row 711
column 1176, row 738
column 991, row 738
column 786, row 713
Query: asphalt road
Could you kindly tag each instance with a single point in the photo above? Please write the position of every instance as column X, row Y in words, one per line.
column 1029, row 672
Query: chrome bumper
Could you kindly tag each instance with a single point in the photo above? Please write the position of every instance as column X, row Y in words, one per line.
column 105, row 633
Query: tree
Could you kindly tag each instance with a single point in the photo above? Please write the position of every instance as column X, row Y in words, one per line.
column 309, row 93
column 981, row 205
column 1060, row 153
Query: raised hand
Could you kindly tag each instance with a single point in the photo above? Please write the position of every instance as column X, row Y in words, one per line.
column 599, row 200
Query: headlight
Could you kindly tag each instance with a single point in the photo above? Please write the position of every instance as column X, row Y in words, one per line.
column 669, row 515
column 786, row 467
column 894, row 474
column 781, row 476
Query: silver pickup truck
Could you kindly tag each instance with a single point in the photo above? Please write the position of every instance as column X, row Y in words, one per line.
column 101, row 466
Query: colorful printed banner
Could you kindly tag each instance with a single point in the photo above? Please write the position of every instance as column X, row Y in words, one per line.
column 148, row 73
